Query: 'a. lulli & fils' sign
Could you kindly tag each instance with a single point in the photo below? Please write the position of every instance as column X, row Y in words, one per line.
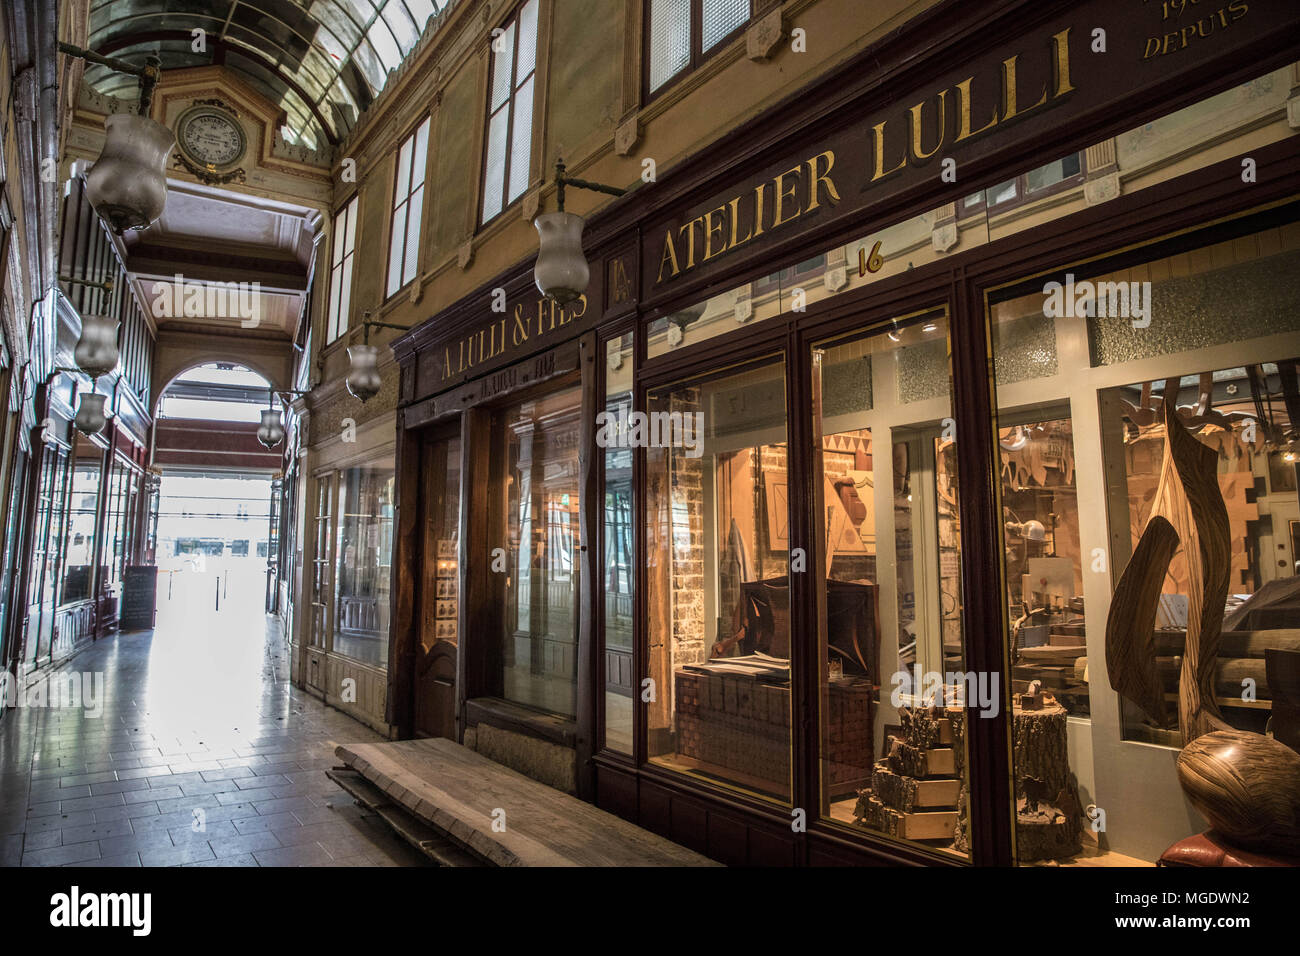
column 1084, row 66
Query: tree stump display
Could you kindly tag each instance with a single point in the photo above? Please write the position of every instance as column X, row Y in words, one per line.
column 917, row 791
column 1049, row 820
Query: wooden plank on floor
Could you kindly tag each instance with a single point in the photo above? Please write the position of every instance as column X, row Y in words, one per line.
column 463, row 794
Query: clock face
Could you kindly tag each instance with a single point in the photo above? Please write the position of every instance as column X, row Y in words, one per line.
column 211, row 137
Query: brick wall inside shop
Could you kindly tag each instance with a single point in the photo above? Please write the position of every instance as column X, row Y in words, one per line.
column 690, row 634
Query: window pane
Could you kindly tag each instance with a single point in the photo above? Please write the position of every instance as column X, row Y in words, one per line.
column 351, row 239
column 345, row 297
column 421, row 160
column 503, row 53
column 539, row 441
column 1132, row 414
column 619, row 568
column 720, row 18
column 521, row 143
column 398, row 234
column 670, row 40
column 527, row 42
column 363, row 572
column 413, row 236
column 402, row 181
column 887, row 507
column 494, row 172
column 338, row 240
column 332, row 330
column 718, row 549
column 382, row 39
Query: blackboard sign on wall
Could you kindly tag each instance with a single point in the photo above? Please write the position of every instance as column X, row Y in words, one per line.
column 139, row 597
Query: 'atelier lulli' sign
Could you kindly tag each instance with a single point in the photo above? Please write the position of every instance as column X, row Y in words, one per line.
column 990, row 107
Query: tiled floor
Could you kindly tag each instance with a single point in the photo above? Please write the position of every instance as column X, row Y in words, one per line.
column 204, row 755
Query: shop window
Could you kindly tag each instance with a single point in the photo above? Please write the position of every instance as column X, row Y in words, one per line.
column 619, row 569
column 83, row 504
column 682, row 33
column 408, row 204
column 1110, row 572
column 321, row 562
column 343, row 244
column 363, row 555
column 536, row 443
column 718, row 579
column 510, row 111
column 893, row 692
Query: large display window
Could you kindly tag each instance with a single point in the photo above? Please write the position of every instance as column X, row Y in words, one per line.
column 718, row 578
column 363, row 554
column 1147, row 434
column 885, row 487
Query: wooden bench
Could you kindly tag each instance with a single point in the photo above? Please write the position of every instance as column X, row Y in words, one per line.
column 459, row 795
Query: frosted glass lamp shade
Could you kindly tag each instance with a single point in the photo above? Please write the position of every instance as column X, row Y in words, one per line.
column 561, row 271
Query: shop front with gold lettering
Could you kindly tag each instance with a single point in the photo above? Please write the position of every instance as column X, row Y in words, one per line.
column 846, row 516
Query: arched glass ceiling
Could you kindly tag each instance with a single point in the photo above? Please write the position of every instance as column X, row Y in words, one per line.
column 322, row 61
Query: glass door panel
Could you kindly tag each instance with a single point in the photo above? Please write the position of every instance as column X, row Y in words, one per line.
column 893, row 691
column 537, row 443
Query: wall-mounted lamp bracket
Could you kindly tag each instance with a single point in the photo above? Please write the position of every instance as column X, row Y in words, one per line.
column 562, row 181
column 150, row 74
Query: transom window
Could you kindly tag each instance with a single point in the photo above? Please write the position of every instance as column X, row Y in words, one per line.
column 683, row 32
column 510, row 111
column 408, row 203
column 343, row 242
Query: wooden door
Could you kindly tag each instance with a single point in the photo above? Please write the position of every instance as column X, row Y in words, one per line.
column 440, row 597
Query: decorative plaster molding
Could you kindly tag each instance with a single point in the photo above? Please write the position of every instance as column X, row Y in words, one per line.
column 943, row 238
column 465, row 254
column 1101, row 189
column 764, row 36
column 627, row 135
column 836, row 279
column 531, row 202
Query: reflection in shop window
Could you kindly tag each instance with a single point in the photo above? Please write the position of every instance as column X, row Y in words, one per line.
column 537, row 443
column 363, row 573
column 618, row 568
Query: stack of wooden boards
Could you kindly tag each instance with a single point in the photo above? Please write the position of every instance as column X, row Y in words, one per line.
column 1059, row 666
column 917, row 790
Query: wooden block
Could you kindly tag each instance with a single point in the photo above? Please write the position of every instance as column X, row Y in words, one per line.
column 940, row 825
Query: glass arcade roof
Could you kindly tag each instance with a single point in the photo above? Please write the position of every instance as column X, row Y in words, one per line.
column 322, row 61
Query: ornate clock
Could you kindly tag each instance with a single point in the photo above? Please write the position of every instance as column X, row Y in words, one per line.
column 210, row 137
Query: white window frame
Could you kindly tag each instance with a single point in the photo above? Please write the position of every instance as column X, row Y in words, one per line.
column 408, row 208
column 496, row 197
column 343, row 246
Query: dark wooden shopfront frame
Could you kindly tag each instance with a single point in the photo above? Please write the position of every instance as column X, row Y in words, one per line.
column 722, row 822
